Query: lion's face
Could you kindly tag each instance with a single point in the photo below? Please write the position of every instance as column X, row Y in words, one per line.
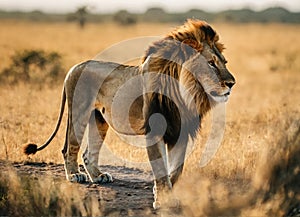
column 209, row 73
column 192, row 54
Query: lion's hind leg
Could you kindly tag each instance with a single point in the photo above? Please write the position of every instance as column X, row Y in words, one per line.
column 97, row 129
column 71, row 149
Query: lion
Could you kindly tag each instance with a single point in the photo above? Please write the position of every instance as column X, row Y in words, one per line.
column 182, row 76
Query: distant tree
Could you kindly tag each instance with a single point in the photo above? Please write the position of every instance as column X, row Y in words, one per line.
column 155, row 11
column 156, row 15
column 123, row 17
column 199, row 14
column 81, row 14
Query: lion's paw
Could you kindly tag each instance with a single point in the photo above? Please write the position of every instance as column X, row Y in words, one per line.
column 156, row 205
column 78, row 178
column 103, row 178
column 170, row 203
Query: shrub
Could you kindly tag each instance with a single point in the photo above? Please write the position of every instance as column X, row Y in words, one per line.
column 33, row 66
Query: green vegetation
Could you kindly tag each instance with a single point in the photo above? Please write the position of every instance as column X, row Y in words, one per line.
column 33, row 65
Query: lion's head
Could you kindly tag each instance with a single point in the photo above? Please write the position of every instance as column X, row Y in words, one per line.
column 191, row 54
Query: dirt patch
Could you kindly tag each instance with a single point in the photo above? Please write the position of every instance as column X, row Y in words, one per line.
column 129, row 194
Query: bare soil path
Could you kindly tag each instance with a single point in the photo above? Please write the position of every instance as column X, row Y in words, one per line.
column 129, row 194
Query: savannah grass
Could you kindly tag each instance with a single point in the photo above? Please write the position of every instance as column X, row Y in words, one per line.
column 258, row 140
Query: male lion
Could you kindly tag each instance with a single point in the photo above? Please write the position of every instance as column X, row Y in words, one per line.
column 182, row 76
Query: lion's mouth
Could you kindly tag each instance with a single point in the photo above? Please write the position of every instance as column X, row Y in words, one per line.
column 219, row 98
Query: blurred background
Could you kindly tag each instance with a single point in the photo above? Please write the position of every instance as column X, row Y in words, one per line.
column 41, row 40
column 131, row 12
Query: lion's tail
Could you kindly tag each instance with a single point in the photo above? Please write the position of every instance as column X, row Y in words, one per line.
column 33, row 148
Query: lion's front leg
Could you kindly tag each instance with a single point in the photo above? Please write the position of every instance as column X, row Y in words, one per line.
column 157, row 154
column 176, row 158
column 97, row 129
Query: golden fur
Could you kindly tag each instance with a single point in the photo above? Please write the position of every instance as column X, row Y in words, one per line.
column 189, row 56
column 167, row 57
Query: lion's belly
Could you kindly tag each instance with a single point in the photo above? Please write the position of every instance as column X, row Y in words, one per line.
column 121, row 103
column 122, row 120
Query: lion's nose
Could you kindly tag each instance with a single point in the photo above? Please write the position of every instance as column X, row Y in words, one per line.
column 229, row 83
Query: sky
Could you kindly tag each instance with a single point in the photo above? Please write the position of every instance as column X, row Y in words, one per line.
column 101, row 6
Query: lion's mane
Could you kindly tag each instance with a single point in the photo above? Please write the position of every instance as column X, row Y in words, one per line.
column 167, row 57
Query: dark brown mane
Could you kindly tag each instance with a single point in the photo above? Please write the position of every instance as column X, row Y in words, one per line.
column 167, row 54
column 167, row 57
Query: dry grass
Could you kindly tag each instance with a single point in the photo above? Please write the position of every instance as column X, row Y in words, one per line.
column 27, row 196
column 68, row 39
column 265, row 60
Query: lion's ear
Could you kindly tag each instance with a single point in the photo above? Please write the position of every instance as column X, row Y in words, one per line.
column 189, row 47
column 194, row 44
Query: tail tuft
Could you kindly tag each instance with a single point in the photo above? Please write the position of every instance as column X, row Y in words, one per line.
column 30, row 149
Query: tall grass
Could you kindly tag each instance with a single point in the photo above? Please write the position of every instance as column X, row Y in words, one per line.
column 255, row 171
column 272, row 191
column 21, row 195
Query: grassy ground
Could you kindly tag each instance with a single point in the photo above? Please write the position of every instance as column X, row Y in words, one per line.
column 265, row 59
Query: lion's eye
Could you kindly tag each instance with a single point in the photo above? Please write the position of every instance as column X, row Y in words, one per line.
column 212, row 63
